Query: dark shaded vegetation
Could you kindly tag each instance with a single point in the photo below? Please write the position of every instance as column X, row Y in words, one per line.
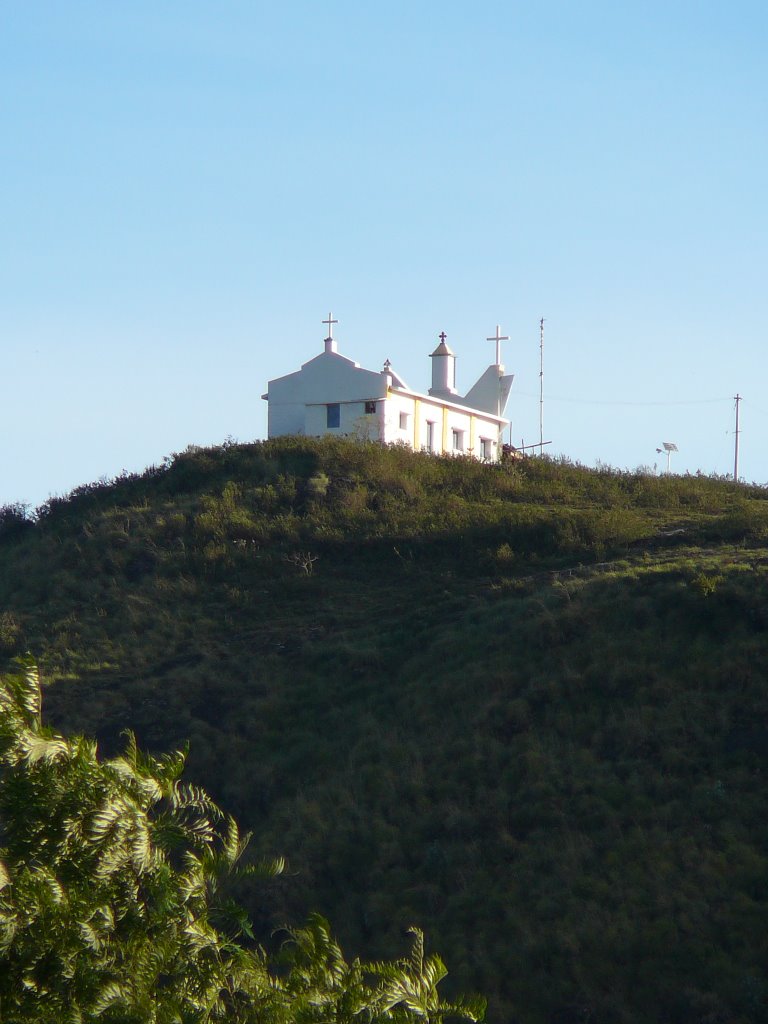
column 523, row 706
column 114, row 903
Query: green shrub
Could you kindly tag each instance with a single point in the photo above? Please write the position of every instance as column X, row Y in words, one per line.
column 706, row 584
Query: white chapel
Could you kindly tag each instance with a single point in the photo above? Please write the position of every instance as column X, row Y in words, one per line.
column 331, row 394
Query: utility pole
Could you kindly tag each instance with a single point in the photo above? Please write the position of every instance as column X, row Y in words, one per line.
column 541, row 386
column 737, row 399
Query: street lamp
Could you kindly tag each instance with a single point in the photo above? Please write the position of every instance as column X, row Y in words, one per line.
column 668, row 447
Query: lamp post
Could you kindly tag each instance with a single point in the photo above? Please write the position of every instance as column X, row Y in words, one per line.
column 668, row 447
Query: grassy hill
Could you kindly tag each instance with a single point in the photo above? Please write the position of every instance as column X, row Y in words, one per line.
column 521, row 706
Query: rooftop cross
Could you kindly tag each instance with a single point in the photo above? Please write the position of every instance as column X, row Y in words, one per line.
column 498, row 338
column 330, row 321
column 442, row 336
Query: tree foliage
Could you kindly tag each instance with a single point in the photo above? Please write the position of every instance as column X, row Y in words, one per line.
column 113, row 905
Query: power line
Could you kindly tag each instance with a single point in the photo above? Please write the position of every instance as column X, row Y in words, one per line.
column 599, row 401
column 755, row 408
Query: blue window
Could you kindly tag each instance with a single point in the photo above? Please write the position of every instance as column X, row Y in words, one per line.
column 333, row 415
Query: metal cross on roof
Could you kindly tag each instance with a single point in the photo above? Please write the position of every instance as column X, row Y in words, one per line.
column 498, row 338
column 442, row 336
column 330, row 321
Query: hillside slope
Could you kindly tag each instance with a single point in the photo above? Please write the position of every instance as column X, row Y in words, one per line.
column 522, row 706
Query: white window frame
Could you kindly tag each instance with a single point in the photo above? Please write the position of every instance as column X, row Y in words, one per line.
column 430, row 445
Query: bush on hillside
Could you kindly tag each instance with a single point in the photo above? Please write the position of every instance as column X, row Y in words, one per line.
column 14, row 520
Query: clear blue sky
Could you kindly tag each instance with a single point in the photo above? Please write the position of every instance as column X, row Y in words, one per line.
column 188, row 188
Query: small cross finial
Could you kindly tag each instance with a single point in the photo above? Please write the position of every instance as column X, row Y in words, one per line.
column 387, row 365
column 330, row 321
column 442, row 336
column 498, row 338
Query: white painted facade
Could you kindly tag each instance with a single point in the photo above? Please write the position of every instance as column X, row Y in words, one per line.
column 331, row 394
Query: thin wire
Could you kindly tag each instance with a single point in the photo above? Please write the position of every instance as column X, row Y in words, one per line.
column 593, row 401
column 755, row 408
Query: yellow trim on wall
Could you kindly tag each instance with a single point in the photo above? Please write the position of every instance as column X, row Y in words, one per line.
column 472, row 435
column 416, row 417
column 445, row 429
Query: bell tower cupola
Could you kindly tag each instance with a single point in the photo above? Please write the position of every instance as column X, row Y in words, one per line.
column 443, row 370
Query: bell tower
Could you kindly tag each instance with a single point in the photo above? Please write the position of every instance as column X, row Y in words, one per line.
column 443, row 370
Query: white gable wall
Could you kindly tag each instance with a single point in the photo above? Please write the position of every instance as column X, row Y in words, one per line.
column 295, row 400
column 354, row 421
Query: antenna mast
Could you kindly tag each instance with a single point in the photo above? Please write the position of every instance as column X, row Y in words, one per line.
column 541, row 386
column 737, row 399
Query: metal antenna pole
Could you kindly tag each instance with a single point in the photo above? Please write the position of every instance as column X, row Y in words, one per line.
column 541, row 386
column 737, row 399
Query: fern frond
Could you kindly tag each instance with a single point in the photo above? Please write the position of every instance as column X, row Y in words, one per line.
column 432, row 972
column 30, row 695
column 39, row 748
column 170, row 767
column 46, row 885
column 105, row 820
column 233, row 844
column 187, row 797
column 471, row 1008
column 149, row 788
column 111, row 995
column 74, row 1015
column 142, row 854
column 264, row 869
column 90, row 936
